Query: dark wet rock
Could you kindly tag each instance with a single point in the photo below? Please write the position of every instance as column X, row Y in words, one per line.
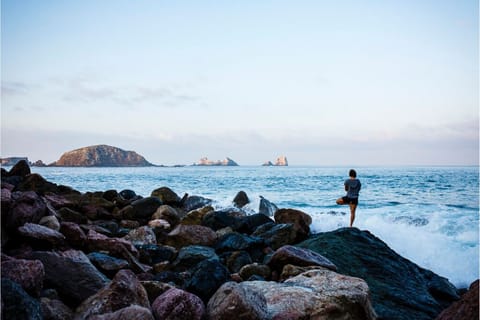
column 236, row 260
column 74, row 235
column 69, row 215
column 399, row 288
column 249, row 270
column 155, row 289
column 241, row 199
column 301, row 257
column 27, row 273
column 235, row 241
column 71, row 273
column 300, row 220
column 109, row 225
column 195, row 202
column 143, row 208
column 17, row 304
column 184, row 235
column 177, row 279
column 54, row 309
column 35, row 182
column 166, row 196
column 188, row 257
column 251, row 222
column 266, row 207
column 206, row 278
column 107, row 264
column 234, row 301
column 178, row 304
column 21, row 169
column 127, row 194
column 27, row 207
column 123, row 291
column 276, row 235
column 153, row 254
column 40, row 235
column 224, row 218
column 464, row 309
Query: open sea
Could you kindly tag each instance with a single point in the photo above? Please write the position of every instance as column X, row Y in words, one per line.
column 429, row 215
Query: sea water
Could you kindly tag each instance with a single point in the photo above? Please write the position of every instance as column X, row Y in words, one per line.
column 430, row 215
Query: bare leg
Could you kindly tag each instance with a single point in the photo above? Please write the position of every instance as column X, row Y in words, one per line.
column 353, row 207
column 340, row 201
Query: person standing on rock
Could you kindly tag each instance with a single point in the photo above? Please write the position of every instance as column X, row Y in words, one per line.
column 352, row 186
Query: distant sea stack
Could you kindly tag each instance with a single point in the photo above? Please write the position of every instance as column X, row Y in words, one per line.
column 281, row 162
column 205, row 162
column 101, row 156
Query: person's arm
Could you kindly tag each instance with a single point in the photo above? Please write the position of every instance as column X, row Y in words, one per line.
column 346, row 186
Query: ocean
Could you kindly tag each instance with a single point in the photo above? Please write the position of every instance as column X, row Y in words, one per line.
column 429, row 215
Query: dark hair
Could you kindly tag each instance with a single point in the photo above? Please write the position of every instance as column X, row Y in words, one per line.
column 352, row 173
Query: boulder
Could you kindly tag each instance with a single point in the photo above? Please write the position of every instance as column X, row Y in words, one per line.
column 184, row 235
column 128, row 194
column 107, row 264
column 464, row 309
column 141, row 236
column 234, row 301
column 255, row 269
column 399, row 288
column 71, row 273
column 166, row 196
column 143, row 208
column 27, row 273
column 74, row 235
column 123, row 291
column 301, row 257
column 27, row 207
column 196, row 216
column 17, row 304
column 128, row 313
column 21, row 169
column 206, row 278
column 276, row 235
column 241, row 199
column 178, row 304
column 316, row 294
column 54, row 309
column 188, row 257
column 224, row 218
column 236, row 260
column 266, row 207
column 300, row 220
column 251, row 222
column 153, row 254
column 195, row 202
column 50, row 222
column 40, row 235
column 167, row 213
column 155, row 289
column 69, row 215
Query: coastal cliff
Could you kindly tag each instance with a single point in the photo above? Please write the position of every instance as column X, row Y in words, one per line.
column 206, row 162
column 117, row 255
column 101, row 156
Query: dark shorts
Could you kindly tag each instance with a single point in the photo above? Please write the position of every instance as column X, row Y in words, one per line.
column 348, row 200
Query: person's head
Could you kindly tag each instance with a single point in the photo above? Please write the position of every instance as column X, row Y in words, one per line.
column 352, row 173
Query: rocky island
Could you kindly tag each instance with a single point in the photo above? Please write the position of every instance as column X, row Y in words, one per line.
column 206, row 162
column 117, row 255
column 281, row 162
column 101, row 156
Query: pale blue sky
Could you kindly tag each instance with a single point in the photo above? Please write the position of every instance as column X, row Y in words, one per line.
column 322, row 82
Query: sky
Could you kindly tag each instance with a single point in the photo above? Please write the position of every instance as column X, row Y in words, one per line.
column 321, row 82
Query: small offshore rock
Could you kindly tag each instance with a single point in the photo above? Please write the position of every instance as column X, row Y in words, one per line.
column 241, row 199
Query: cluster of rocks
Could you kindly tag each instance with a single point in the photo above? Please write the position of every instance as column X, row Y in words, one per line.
column 117, row 255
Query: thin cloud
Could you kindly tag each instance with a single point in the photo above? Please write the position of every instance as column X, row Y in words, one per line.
column 10, row 88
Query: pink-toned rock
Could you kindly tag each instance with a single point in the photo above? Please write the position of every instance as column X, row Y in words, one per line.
column 58, row 201
column 129, row 313
column 159, row 223
column 27, row 273
column 467, row 308
column 184, row 235
column 299, row 257
column 316, row 294
column 300, row 220
column 26, row 207
column 178, row 304
column 234, row 301
column 73, row 234
column 54, row 309
column 123, row 291
column 36, row 232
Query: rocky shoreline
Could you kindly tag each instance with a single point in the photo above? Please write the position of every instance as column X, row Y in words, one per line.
column 117, row 255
